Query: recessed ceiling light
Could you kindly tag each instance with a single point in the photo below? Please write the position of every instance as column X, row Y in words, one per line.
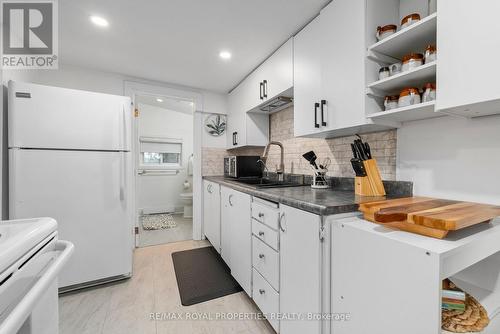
column 225, row 55
column 99, row 21
column 159, row 100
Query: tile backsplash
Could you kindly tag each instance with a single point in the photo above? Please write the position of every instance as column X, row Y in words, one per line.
column 383, row 145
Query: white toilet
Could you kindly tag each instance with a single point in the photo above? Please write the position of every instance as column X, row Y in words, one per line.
column 187, row 200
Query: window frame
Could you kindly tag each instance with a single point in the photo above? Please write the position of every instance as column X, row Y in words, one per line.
column 162, row 165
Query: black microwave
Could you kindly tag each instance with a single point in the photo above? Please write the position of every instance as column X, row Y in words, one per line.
column 242, row 166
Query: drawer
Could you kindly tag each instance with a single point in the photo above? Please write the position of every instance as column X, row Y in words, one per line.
column 265, row 214
column 265, row 233
column 267, row 262
column 266, row 298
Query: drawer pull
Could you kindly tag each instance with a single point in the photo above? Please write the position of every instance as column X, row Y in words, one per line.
column 261, row 234
column 262, row 291
column 261, row 256
column 261, row 214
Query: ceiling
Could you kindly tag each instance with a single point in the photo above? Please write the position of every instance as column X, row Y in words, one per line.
column 178, row 41
column 168, row 103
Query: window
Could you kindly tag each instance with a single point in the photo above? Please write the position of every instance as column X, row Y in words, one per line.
column 150, row 158
column 161, row 153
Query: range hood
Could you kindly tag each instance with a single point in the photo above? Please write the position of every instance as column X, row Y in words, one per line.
column 276, row 104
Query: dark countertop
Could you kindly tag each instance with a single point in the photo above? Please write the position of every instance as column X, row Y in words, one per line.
column 323, row 202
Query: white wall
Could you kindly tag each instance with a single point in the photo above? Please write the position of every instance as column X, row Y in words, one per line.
column 162, row 192
column 211, row 141
column 86, row 79
column 216, row 105
column 69, row 76
column 452, row 158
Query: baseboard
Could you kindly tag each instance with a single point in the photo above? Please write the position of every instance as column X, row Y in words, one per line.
column 158, row 209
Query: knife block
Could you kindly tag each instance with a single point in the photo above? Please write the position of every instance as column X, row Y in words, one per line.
column 371, row 184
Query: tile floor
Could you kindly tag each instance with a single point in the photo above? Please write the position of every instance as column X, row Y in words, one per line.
column 126, row 307
column 183, row 231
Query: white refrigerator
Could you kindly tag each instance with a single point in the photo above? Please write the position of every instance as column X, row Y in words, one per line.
column 70, row 159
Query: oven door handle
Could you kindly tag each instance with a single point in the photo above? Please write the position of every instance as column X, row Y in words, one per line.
column 23, row 309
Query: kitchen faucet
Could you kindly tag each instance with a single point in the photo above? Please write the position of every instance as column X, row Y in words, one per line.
column 281, row 169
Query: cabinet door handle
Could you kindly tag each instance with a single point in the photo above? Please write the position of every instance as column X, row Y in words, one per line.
column 323, row 104
column 229, row 200
column 235, row 138
column 281, row 220
column 261, row 234
column 316, row 106
column 262, row 291
column 261, row 256
column 261, row 91
column 265, row 89
column 261, row 214
column 209, row 188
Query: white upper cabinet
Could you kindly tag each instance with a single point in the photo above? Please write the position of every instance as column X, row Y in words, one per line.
column 247, row 125
column 276, row 74
column 342, row 65
column 468, row 48
column 307, row 79
column 236, row 119
column 329, row 73
column 272, row 78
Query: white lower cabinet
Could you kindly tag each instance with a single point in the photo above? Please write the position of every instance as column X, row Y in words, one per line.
column 266, row 261
column 265, row 258
column 211, row 213
column 266, row 298
column 300, row 270
column 266, row 234
column 236, row 245
column 276, row 254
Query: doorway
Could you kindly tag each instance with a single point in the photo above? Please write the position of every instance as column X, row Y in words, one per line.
column 136, row 90
column 165, row 169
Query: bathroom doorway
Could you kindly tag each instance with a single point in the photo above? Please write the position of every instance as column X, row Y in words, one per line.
column 165, row 166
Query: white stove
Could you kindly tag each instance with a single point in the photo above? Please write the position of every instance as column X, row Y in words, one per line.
column 31, row 257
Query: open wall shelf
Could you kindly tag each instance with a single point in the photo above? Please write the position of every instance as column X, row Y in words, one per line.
column 416, row 77
column 411, row 39
column 406, row 114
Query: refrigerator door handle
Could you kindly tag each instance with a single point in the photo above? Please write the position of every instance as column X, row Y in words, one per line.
column 121, row 174
column 123, row 132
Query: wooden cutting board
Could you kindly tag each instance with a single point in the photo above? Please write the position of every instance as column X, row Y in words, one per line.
column 428, row 216
column 456, row 216
column 370, row 208
column 401, row 212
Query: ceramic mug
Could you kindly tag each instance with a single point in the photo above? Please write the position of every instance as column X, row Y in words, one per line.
column 385, row 31
column 408, row 97
column 395, row 68
column 391, row 102
column 383, row 73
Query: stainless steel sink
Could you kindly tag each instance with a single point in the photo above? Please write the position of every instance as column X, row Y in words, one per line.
column 266, row 183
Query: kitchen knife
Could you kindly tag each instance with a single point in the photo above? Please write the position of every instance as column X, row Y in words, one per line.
column 361, row 150
column 358, row 167
column 354, row 152
column 358, row 152
column 368, row 151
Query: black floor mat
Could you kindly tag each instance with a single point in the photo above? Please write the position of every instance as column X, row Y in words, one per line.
column 202, row 275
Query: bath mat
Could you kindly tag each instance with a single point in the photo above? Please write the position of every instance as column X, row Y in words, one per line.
column 158, row 221
column 202, row 275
